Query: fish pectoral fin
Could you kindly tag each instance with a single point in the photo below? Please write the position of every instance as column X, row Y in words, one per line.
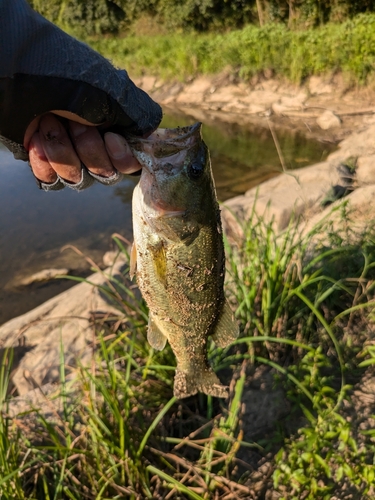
column 155, row 336
column 133, row 260
column 226, row 330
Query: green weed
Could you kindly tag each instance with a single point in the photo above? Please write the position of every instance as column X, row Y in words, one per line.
column 308, row 303
column 348, row 47
column 304, row 305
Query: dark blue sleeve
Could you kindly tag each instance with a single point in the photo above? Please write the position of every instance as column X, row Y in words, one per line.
column 44, row 69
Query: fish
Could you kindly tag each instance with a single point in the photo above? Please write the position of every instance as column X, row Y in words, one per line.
column 178, row 255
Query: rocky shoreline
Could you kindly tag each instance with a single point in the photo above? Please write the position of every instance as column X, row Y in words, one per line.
column 325, row 108
column 68, row 318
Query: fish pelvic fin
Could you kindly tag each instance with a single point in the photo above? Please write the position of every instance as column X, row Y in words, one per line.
column 133, row 260
column 155, row 336
column 189, row 383
column 226, row 330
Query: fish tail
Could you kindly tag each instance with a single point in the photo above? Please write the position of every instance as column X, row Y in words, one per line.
column 189, row 383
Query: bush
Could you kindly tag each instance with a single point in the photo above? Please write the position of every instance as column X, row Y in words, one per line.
column 295, row 55
column 114, row 16
column 89, row 17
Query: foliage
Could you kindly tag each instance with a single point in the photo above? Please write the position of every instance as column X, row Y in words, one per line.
column 300, row 307
column 84, row 17
column 87, row 17
column 115, row 16
column 349, row 47
column 121, row 434
column 271, row 49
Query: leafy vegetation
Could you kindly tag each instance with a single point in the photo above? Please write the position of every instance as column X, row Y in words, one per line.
column 291, row 39
column 319, row 305
column 305, row 306
column 116, row 16
column 274, row 49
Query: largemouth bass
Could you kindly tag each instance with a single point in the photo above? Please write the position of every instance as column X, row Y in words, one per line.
column 178, row 254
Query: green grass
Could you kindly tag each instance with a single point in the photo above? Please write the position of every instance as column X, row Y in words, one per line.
column 305, row 312
column 348, row 47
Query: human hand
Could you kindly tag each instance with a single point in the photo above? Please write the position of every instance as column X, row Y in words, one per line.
column 59, row 149
column 45, row 70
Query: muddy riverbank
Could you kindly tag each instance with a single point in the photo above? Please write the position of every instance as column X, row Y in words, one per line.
column 71, row 320
column 325, row 108
column 278, row 105
column 37, row 225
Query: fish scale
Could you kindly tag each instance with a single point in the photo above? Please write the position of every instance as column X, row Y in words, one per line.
column 178, row 254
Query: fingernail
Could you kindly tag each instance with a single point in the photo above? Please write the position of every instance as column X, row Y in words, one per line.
column 77, row 128
column 116, row 146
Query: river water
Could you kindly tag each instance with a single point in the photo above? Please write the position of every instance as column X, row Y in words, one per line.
column 34, row 225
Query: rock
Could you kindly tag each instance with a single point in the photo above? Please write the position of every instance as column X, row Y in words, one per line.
column 61, row 327
column 365, row 171
column 318, row 86
column 301, row 191
column 294, row 102
column 194, row 92
column 225, row 94
column 295, row 192
column 45, row 401
column 360, row 209
column 199, row 86
column 45, row 275
column 173, row 92
column 148, row 83
column 268, row 85
column 239, row 105
column 263, row 98
column 328, row 120
column 359, row 143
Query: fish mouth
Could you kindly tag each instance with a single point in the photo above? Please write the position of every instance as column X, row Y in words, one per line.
column 162, row 156
column 163, row 143
column 167, row 134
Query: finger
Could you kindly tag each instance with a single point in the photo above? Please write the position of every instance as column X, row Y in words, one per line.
column 91, row 150
column 120, row 154
column 39, row 162
column 59, row 149
column 34, row 125
column 30, row 131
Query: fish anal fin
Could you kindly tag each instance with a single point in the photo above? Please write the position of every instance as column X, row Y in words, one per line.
column 155, row 336
column 189, row 383
column 226, row 330
column 133, row 260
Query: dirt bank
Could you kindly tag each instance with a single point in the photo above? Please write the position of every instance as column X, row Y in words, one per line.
column 324, row 108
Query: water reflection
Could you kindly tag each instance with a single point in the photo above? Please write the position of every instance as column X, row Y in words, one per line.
column 243, row 157
column 35, row 225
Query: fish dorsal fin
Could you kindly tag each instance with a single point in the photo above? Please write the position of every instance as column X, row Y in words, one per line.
column 155, row 336
column 133, row 260
column 226, row 329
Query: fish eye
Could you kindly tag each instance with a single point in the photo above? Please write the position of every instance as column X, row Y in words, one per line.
column 195, row 169
column 197, row 165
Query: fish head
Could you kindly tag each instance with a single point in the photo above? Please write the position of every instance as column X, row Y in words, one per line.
column 176, row 181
